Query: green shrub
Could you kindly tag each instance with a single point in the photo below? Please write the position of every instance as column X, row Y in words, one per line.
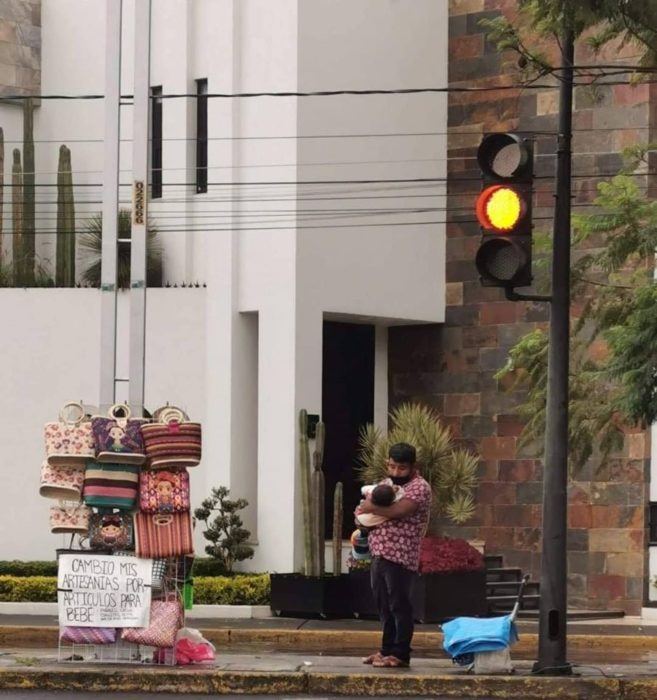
column 232, row 590
column 208, row 590
column 32, row 589
column 28, row 568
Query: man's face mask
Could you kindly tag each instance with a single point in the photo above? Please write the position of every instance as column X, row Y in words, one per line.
column 399, row 474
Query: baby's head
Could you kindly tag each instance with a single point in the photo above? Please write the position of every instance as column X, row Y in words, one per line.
column 383, row 495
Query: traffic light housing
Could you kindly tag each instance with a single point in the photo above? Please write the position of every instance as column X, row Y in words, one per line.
column 504, row 210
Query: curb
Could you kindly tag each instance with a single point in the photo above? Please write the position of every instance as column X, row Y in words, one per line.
column 205, row 681
column 20, row 636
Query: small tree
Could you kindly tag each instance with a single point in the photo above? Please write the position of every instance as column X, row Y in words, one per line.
column 225, row 531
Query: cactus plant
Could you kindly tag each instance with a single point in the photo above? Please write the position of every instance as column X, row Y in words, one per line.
column 318, row 497
column 304, row 462
column 17, row 219
column 65, row 250
column 28, row 239
column 313, row 491
column 337, row 529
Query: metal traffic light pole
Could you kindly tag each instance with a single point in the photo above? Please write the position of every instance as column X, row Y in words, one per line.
column 554, row 597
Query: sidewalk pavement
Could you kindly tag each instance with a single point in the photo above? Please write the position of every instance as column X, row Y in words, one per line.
column 612, row 660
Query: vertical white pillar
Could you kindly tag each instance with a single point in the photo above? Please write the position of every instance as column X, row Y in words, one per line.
column 140, row 165
column 113, row 10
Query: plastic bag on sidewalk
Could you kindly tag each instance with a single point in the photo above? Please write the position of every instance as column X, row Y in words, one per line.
column 193, row 648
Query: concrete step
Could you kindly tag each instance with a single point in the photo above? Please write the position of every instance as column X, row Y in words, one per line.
column 506, row 602
column 510, row 587
column 494, row 561
column 505, row 573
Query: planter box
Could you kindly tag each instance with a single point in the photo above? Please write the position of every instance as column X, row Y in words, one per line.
column 436, row 597
column 440, row 596
column 296, row 595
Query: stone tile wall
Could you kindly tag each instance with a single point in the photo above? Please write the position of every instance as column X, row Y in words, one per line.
column 20, row 47
column 452, row 367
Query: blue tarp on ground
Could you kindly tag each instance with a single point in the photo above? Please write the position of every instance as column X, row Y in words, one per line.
column 467, row 635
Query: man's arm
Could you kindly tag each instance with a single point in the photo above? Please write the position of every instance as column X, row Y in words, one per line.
column 400, row 509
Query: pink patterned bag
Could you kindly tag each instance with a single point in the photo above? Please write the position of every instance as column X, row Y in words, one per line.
column 63, row 482
column 69, row 440
column 69, row 518
column 165, row 621
column 163, row 491
column 88, row 635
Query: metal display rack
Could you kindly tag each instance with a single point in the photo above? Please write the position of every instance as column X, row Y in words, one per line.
column 177, row 573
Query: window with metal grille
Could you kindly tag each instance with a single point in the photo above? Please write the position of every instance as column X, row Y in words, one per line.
column 156, row 142
column 202, row 135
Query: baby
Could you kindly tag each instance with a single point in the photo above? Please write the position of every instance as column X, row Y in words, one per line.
column 385, row 493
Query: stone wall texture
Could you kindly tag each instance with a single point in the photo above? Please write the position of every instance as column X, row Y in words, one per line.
column 20, row 47
column 452, row 366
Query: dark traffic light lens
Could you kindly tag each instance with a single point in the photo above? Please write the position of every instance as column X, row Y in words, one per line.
column 500, row 260
column 503, row 156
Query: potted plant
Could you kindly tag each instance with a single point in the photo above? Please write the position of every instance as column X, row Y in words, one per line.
column 451, row 474
column 313, row 591
column 451, row 581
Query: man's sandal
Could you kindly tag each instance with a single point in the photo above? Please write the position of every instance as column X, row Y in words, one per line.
column 390, row 662
column 372, row 658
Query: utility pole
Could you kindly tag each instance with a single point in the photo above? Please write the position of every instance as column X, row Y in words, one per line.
column 113, row 9
column 140, row 191
column 554, row 595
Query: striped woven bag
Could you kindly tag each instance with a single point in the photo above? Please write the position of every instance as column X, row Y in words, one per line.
column 171, row 440
column 111, row 485
column 88, row 635
column 163, row 534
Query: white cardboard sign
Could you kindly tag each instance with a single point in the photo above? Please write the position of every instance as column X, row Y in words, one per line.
column 100, row 590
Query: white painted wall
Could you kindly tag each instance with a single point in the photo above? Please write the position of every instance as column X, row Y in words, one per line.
column 278, row 255
column 51, row 356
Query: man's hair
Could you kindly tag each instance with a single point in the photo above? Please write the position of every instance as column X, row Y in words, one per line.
column 383, row 495
column 402, row 453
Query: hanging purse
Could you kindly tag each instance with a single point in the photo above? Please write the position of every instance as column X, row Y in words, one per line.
column 165, row 621
column 117, row 438
column 171, row 440
column 163, row 491
column 111, row 485
column 63, row 482
column 69, row 440
column 110, row 531
column 70, row 518
column 88, row 635
column 163, row 534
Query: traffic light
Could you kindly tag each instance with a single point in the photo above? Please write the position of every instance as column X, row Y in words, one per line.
column 504, row 211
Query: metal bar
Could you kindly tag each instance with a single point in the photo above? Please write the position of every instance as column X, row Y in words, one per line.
column 140, row 164
column 554, row 593
column 108, row 289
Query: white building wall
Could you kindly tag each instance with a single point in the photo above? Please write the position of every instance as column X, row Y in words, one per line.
column 52, row 356
column 275, row 266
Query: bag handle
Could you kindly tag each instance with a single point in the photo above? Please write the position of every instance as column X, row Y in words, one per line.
column 170, row 414
column 124, row 409
column 64, row 418
column 162, row 519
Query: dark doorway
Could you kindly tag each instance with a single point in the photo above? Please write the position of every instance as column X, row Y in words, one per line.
column 347, row 404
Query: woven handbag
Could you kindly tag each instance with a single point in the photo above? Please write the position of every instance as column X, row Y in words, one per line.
column 63, row 482
column 69, row 440
column 72, row 518
column 163, row 491
column 110, row 531
column 111, row 485
column 171, row 440
column 165, row 621
column 117, row 438
column 163, row 534
column 88, row 635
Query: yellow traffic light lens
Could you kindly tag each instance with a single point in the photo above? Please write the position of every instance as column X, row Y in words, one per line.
column 499, row 208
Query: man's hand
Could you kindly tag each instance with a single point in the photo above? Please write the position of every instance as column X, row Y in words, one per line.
column 400, row 509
